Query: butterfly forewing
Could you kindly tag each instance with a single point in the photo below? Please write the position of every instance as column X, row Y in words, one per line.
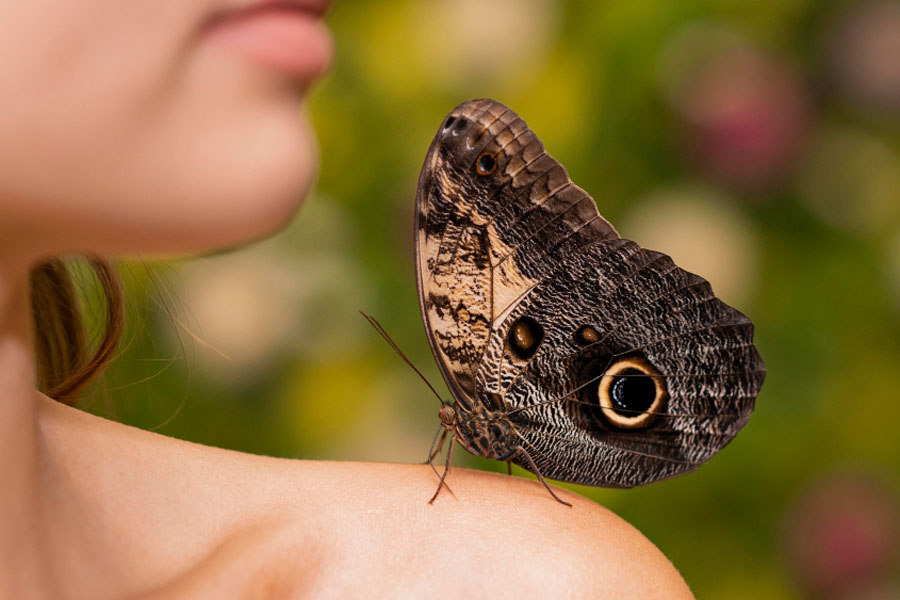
column 481, row 239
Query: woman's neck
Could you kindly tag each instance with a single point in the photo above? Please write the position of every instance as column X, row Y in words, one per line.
column 20, row 529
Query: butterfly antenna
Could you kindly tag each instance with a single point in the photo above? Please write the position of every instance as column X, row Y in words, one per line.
column 374, row 323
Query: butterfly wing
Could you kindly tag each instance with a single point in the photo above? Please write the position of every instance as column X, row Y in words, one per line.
column 471, row 219
column 615, row 367
column 655, row 329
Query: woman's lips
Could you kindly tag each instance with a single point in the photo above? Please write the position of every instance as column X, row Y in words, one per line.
column 283, row 36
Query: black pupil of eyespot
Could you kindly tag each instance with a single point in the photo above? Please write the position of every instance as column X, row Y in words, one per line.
column 449, row 122
column 486, row 163
column 632, row 392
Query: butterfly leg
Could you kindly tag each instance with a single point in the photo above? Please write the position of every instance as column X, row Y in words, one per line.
column 509, row 467
column 535, row 470
column 444, row 474
column 433, row 452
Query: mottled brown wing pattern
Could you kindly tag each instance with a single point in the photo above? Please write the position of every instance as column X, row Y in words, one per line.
column 598, row 361
column 482, row 241
column 640, row 304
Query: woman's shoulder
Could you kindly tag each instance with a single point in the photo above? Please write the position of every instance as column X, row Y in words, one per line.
column 494, row 535
column 260, row 526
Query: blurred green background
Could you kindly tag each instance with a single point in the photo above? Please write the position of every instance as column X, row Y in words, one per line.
column 758, row 143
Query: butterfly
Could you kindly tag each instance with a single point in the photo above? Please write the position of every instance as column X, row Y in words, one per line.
column 569, row 351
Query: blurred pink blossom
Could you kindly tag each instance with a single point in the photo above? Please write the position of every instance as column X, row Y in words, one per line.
column 745, row 114
column 841, row 537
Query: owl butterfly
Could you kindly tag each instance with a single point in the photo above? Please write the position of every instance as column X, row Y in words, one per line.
column 570, row 351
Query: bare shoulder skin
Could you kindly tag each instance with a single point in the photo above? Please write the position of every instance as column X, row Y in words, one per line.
column 186, row 520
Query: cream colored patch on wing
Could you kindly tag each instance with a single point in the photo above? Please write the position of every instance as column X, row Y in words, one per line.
column 458, row 302
column 461, row 327
column 508, row 282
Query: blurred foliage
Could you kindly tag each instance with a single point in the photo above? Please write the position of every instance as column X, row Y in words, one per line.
column 263, row 350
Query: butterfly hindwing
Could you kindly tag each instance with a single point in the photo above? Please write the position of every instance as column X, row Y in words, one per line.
column 643, row 308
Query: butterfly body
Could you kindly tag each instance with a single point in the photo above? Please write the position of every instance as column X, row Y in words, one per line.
column 483, row 432
column 573, row 352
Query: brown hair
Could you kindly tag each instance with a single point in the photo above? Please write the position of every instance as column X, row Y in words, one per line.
column 64, row 363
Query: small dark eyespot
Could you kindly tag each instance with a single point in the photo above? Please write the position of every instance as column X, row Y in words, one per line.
column 449, row 123
column 524, row 337
column 455, row 125
column 485, row 164
column 586, row 335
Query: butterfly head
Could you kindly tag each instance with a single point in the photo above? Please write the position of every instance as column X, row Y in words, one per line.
column 447, row 415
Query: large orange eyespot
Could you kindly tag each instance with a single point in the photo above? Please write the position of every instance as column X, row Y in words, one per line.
column 631, row 392
column 485, row 164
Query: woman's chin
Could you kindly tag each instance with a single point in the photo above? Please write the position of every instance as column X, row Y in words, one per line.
column 243, row 189
column 261, row 192
column 265, row 205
